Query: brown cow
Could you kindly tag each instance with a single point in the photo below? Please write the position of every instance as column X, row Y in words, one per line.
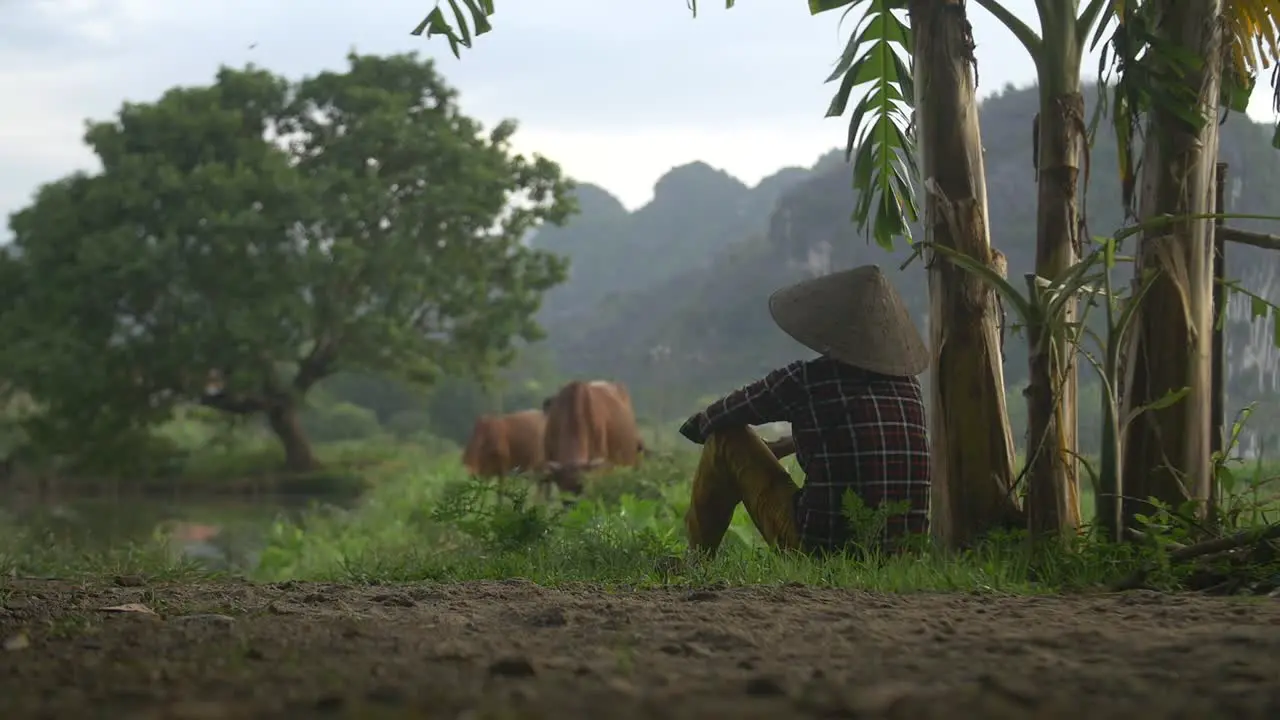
column 589, row 424
column 502, row 444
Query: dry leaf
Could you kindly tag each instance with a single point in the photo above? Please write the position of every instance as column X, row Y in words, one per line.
column 17, row 642
column 129, row 608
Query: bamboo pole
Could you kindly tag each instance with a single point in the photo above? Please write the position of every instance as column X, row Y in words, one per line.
column 1218, row 372
column 1218, row 357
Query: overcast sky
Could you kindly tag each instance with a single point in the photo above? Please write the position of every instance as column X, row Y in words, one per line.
column 617, row 91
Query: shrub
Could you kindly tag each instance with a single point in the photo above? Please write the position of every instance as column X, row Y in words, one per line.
column 340, row 421
column 409, row 423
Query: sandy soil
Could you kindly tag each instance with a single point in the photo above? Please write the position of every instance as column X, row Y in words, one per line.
column 514, row 650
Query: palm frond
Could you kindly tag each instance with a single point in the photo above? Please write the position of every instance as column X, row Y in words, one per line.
column 1254, row 28
column 879, row 139
column 1142, row 70
column 461, row 34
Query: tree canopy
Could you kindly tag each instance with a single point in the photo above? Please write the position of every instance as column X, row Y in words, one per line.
column 246, row 239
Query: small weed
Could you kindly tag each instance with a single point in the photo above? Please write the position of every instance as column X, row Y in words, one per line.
column 625, row 657
column 71, row 626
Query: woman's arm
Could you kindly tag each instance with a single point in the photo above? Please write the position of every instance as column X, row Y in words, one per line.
column 763, row 401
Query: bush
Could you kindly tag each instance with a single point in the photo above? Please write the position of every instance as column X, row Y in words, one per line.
column 434, row 446
column 340, row 421
column 409, row 423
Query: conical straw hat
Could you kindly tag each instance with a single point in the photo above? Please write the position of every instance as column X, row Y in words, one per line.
column 854, row 316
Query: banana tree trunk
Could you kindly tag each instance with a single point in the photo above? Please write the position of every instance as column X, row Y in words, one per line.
column 1053, row 502
column 972, row 446
column 1166, row 451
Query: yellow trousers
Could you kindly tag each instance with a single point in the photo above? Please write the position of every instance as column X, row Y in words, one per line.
column 737, row 467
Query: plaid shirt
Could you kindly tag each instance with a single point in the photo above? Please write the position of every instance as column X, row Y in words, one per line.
column 853, row 430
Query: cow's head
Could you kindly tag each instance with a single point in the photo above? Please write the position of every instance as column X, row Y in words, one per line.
column 569, row 476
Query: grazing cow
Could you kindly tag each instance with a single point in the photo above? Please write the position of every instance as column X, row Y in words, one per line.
column 589, row 424
column 503, row 444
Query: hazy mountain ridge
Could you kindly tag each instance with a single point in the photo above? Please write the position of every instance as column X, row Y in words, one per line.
column 692, row 270
column 696, row 211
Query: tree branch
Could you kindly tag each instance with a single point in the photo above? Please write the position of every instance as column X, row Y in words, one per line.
column 1208, row 547
column 1249, row 237
column 1090, row 15
column 1028, row 37
column 316, row 366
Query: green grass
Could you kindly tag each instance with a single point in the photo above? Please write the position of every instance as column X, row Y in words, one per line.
column 431, row 523
column 422, row 519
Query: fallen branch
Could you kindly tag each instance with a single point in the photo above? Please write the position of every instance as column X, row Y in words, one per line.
column 1208, row 547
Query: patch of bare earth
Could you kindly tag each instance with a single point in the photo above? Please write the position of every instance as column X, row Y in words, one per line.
column 511, row 649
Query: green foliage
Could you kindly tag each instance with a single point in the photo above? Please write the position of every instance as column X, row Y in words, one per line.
column 628, row 529
column 436, row 24
column 275, row 232
column 882, row 148
column 340, row 421
column 409, row 423
column 1145, row 70
column 1044, row 306
column 867, row 523
column 500, row 517
column 1148, row 72
column 424, row 519
column 386, row 396
column 1245, row 492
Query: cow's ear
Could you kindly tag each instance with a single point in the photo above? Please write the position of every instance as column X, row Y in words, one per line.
column 546, row 405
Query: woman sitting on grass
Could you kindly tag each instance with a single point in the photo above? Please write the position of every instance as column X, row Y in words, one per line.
column 857, row 421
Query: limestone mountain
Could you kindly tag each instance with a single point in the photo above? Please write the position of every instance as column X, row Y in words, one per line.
column 691, row 272
column 696, row 210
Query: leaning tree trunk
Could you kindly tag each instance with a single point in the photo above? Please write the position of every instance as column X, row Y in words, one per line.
column 972, row 446
column 1166, row 451
column 282, row 417
column 1053, row 502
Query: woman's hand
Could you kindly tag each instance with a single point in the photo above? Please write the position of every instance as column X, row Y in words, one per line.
column 694, row 429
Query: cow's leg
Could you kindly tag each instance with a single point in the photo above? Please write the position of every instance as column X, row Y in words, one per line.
column 738, row 467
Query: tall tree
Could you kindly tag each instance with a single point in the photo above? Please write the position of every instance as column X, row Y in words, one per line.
column 972, row 445
column 247, row 239
column 1052, row 502
column 1178, row 62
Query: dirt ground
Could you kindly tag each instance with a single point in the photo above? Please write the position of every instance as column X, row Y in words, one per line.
column 514, row 650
